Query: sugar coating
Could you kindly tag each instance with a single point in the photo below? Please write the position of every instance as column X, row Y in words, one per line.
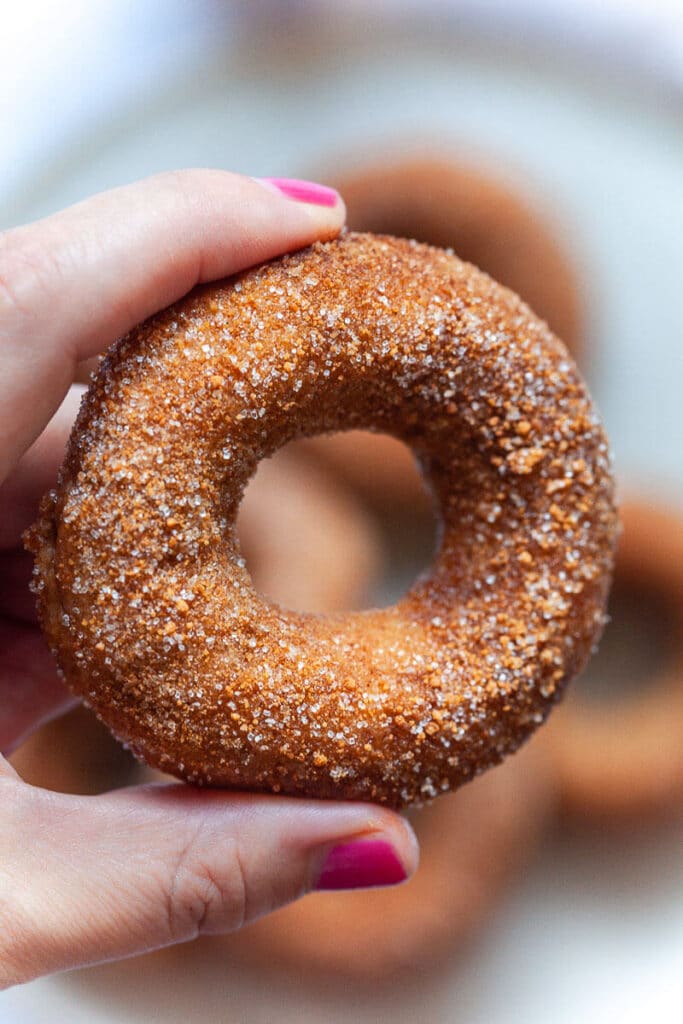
column 143, row 592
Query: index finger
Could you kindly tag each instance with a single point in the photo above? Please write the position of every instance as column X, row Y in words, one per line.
column 74, row 282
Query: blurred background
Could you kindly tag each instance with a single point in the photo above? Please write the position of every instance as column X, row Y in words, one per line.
column 544, row 142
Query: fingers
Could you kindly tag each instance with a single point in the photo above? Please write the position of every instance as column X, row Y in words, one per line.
column 72, row 283
column 161, row 865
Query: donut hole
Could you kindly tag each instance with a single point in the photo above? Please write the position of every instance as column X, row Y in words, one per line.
column 342, row 522
column 637, row 646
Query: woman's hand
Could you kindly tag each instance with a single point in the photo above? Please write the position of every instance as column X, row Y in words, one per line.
column 85, row 879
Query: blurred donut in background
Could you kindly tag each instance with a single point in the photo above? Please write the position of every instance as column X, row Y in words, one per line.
column 617, row 742
column 486, row 221
column 74, row 754
column 472, row 843
column 382, row 473
column 380, row 468
column 306, row 539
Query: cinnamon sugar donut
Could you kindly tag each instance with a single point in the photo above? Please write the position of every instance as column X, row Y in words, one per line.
column 144, row 595
column 622, row 759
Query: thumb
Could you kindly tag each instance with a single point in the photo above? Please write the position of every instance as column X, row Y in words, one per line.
column 87, row 879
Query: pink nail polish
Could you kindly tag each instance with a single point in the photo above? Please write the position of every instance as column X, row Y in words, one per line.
column 302, row 191
column 361, row 865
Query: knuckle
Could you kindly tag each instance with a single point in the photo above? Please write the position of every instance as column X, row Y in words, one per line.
column 194, row 187
column 201, row 899
column 183, row 185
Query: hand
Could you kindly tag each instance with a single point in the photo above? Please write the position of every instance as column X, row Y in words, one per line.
column 85, row 879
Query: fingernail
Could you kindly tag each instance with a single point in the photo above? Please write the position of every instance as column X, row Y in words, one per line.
column 302, row 191
column 361, row 865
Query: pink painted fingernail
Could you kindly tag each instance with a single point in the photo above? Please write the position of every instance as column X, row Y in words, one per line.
column 302, row 191
column 361, row 865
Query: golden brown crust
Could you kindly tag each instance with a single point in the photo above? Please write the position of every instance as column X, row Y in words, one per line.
column 144, row 596
column 622, row 759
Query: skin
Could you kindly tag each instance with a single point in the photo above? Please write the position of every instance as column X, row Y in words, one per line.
column 87, row 879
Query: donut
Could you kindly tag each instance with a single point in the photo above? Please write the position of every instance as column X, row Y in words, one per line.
column 619, row 756
column 445, row 202
column 142, row 590
column 472, row 844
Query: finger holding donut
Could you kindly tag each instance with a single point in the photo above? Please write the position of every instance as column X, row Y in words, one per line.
column 473, row 844
column 90, row 879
